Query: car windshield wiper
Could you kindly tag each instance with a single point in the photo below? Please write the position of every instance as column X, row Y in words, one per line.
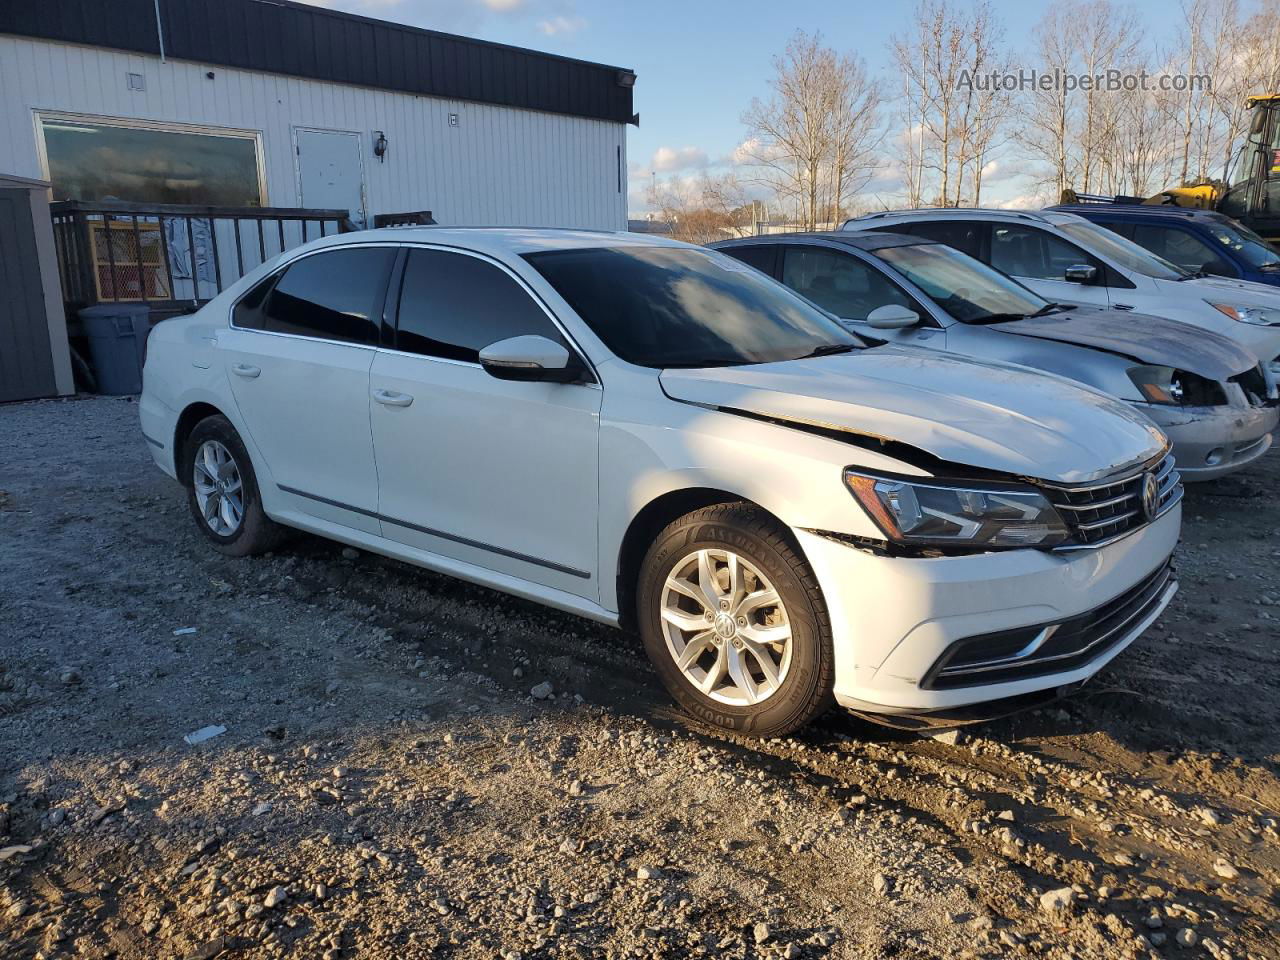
column 1049, row 308
column 997, row 318
column 1198, row 275
column 693, row 364
column 827, row 349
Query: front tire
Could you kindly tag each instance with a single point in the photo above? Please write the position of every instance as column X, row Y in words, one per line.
column 222, row 491
column 734, row 621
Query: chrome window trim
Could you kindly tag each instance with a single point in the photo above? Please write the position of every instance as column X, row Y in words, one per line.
column 406, row 245
column 281, row 268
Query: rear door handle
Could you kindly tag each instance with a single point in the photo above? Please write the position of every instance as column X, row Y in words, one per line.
column 246, row 370
column 389, row 398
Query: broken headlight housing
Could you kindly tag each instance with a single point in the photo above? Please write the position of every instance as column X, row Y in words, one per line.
column 1167, row 385
column 1247, row 314
column 941, row 514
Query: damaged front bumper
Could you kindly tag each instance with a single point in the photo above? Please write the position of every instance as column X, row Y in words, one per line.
column 1210, row 442
column 919, row 635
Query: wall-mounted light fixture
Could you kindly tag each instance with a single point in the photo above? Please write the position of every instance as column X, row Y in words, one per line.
column 380, row 145
column 626, row 78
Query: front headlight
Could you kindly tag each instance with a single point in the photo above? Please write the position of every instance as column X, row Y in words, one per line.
column 1167, row 385
column 1246, row 314
column 1158, row 384
column 913, row 512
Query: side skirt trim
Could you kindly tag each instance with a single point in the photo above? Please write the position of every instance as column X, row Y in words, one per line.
column 464, row 541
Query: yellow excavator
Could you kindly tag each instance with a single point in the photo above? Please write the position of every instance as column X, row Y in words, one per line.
column 1254, row 199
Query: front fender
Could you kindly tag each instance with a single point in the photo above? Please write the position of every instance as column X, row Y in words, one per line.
column 794, row 475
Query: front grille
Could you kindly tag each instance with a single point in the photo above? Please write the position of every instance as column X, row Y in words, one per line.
column 1050, row 648
column 1099, row 513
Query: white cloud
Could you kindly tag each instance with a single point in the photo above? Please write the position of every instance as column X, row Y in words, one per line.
column 559, row 24
column 670, row 159
column 503, row 6
column 1025, row 201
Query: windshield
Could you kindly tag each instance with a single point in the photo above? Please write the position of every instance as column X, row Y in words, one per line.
column 1246, row 243
column 968, row 290
column 687, row 307
column 1123, row 253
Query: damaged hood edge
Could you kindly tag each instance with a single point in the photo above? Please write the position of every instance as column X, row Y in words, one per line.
column 983, row 415
column 1142, row 338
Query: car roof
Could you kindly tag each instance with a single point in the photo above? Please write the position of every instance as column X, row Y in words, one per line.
column 501, row 241
column 859, row 241
column 960, row 213
column 1161, row 210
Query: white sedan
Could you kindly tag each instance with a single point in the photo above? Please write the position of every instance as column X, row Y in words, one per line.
column 653, row 435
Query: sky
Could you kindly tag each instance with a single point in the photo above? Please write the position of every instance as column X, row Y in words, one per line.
column 700, row 62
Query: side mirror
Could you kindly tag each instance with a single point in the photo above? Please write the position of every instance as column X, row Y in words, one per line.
column 1080, row 273
column 892, row 316
column 531, row 358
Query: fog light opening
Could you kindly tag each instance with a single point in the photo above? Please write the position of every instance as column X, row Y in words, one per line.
column 1214, row 456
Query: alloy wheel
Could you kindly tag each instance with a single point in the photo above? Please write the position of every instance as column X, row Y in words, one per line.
column 726, row 627
column 219, row 488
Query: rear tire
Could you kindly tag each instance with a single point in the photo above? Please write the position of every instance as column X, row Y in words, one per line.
column 734, row 621
column 222, row 491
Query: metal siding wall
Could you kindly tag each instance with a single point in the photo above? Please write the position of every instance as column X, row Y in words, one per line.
column 500, row 166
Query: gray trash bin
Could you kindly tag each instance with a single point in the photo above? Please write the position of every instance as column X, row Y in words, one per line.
column 117, row 334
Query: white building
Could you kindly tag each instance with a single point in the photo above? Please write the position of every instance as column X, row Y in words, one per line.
column 277, row 104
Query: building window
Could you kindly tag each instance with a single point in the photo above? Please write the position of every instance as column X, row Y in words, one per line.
column 97, row 159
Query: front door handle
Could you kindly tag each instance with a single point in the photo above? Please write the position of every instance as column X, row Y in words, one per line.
column 389, row 398
column 247, row 370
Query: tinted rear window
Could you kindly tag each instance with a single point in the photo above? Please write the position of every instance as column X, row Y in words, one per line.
column 335, row 295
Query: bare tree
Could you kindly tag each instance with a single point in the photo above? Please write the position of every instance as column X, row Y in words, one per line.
column 946, row 62
column 813, row 141
column 703, row 209
column 1045, row 116
column 984, row 107
column 855, row 133
column 1105, row 37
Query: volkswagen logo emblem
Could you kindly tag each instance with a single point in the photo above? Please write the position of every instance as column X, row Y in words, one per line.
column 1150, row 496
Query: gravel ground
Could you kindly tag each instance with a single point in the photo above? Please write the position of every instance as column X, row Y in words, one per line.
column 387, row 786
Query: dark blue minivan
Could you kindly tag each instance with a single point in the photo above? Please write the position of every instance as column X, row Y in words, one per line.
column 1202, row 241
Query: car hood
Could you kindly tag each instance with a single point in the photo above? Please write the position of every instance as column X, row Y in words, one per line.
column 1146, row 339
column 983, row 414
column 1245, row 292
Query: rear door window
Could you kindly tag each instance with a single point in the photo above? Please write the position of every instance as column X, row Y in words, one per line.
column 840, row 283
column 333, row 295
